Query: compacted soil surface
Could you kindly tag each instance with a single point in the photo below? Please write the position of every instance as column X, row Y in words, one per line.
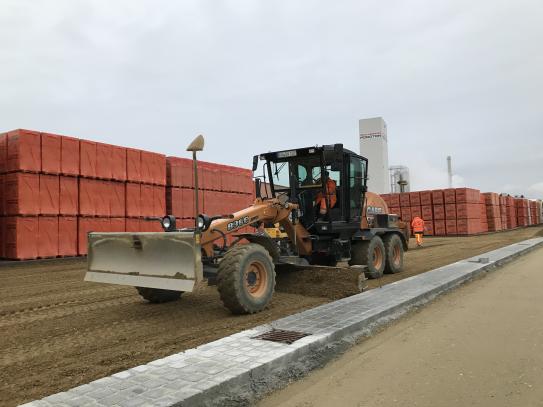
column 58, row 331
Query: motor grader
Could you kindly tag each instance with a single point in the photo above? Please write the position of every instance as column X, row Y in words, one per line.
column 355, row 228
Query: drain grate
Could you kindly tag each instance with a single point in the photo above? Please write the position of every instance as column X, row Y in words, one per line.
column 280, row 335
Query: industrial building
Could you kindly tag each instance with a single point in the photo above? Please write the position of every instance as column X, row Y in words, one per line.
column 399, row 179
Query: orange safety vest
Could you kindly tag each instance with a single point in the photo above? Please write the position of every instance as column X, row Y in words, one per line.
column 418, row 225
column 330, row 191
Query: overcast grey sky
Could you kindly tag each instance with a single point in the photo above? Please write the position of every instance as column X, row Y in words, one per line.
column 463, row 78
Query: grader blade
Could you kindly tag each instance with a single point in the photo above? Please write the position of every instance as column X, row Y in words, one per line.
column 166, row 260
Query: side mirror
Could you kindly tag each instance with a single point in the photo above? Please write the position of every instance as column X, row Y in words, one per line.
column 255, row 163
column 258, row 186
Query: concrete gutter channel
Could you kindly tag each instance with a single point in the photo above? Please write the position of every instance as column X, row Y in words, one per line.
column 238, row 369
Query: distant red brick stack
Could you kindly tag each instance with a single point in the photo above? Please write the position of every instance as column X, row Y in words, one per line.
column 440, row 227
column 539, row 212
column 414, row 199
column 511, row 216
column 484, row 220
column 64, row 187
column 405, row 202
column 415, row 206
column 425, row 198
column 493, row 212
column 468, row 211
column 223, row 189
column 467, row 195
column 394, row 200
column 503, row 211
column 21, row 237
column 429, row 227
column 406, row 213
column 437, row 197
column 532, row 205
column 449, row 196
column 67, row 236
column 521, row 205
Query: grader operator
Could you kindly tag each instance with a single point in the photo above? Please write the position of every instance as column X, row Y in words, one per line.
column 355, row 227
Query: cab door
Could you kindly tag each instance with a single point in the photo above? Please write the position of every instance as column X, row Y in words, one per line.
column 356, row 185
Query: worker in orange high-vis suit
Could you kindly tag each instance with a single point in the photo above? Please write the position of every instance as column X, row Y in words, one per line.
column 320, row 200
column 417, row 225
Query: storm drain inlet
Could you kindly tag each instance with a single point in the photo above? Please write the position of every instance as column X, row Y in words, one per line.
column 281, row 336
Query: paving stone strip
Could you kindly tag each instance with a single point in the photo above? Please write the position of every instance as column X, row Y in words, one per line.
column 238, row 369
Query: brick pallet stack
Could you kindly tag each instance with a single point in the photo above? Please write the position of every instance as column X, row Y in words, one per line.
column 223, row 189
column 55, row 189
column 503, row 210
column 484, row 220
column 118, row 188
column 393, row 203
column 438, row 205
column 539, row 212
column 39, row 198
column 468, row 211
column 414, row 205
column 521, row 206
column 427, row 211
column 511, row 217
column 449, row 199
column 493, row 212
column 405, row 207
column 464, row 211
column 145, row 190
column 534, row 212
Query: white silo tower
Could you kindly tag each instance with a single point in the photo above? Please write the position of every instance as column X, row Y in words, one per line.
column 374, row 146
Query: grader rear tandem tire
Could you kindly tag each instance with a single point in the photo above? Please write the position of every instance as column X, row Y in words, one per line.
column 369, row 253
column 394, row 253
column 246, row 279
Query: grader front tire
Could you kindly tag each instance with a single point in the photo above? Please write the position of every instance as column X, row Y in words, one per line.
column 246, row 279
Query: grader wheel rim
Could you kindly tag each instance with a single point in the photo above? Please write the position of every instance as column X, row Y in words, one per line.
column 255, row 279
column 396, row 254
column 377, row 258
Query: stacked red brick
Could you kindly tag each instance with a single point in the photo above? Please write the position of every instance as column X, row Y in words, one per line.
column 55, row 189
column 427, row 212
column 535, row 212
column 445, row 212
column 145, row 190
column 510, row 212
column 538, row 208
column 464, row 211
column 493, row 211
column 521, row 206
column 484, row 220
column 468, row 211
column 223, row 189
column 39, row 195
column 119, row 187
column 503, row 210
column 438, row 207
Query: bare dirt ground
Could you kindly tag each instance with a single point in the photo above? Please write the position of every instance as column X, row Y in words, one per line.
column 481, row 345
column 59, row 332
